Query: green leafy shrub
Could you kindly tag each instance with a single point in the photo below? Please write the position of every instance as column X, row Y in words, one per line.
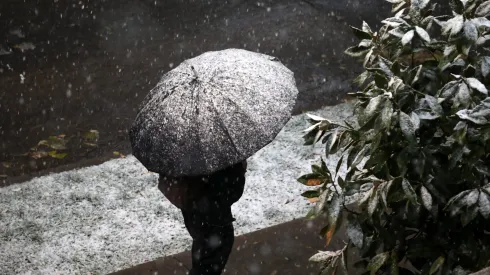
column 418, row 160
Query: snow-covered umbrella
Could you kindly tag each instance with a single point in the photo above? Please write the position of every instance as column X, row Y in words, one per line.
column 212, row 111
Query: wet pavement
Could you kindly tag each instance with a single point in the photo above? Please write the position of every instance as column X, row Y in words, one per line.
column 69, row 67
column 278, row 250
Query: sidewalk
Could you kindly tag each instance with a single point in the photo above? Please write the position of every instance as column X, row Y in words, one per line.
column 283, row 249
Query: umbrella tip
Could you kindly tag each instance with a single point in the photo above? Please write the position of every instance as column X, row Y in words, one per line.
column 195, row 72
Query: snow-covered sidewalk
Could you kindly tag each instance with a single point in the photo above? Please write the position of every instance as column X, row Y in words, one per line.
column 108, row 217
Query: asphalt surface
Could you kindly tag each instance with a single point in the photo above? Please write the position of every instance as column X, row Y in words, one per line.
column 279, row 250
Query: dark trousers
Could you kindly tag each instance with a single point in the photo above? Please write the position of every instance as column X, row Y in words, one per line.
column 210, row 222
column 211, row 245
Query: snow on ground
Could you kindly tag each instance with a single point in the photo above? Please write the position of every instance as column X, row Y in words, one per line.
column 108, row 217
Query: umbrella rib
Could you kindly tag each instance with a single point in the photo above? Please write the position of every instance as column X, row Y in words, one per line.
column 145, row 106
column 198, row 126
column 236, row 105
column 224, row 128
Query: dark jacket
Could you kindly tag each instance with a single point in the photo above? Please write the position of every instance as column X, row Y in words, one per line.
column 223, row 187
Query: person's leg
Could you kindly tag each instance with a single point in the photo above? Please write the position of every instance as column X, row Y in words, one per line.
column 213, row 236
column 210, row 221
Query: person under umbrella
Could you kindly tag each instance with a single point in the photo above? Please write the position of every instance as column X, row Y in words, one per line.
column 196, row 129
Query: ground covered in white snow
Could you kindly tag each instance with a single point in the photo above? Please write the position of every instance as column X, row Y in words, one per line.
column 104, row 218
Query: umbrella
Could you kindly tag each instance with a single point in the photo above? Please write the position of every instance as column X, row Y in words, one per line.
column 212, row 111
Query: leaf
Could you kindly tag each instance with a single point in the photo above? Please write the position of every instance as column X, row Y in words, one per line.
column 353, row 152
column 39, row 155
column 315, row 117
column 312, row 179
column 42, row 143
column 419, row 4
column 471, row 198
column 320, row 205
column 341, row 182
column 354, row 231
column 484, row 205
column 367, row 58
column 360, row 156
column 470, row 32
column 397, row 32
column 90, row 144
column 356, row 51
column 466, row 114
column 91, row 135
column 429, row 108
column 313, row 182
column 426, row 198
column 436, row 265
column 457, row 6
column 323, row 256
column 449, row 89
column 318, row 170
column 485, row 65
column 477, row 85
column 366, row 28
column 377, row 262
column 324, row 167
column 330, row 268
column 332, row 139
column 394, row 270
column 407, row 126
column 469, row 71
column 362, row 78
column 313, row 200
column 469, row 215
column 56, row 155
column 482, row 39
column 449, row 49
column 374, row 106
column 407, row 37
column 383, row 191
column 333, row 212
column 408, row 189
column 454, row 25
column 481, row 22
column 456, row 202
column 380, row 80
column 360, row 33
column 318, row 136
column 397, row 7
column 483, row 10
column 339, row 164
column 386, row 115
column 373, row 202
column 456, row 156
column 463, row 96
column 311, row 194
column 422, row 34
column 56, row 142
column 415, row 119
column 394, row 22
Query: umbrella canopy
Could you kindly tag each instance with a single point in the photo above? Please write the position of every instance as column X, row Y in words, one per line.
column 212, row 111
